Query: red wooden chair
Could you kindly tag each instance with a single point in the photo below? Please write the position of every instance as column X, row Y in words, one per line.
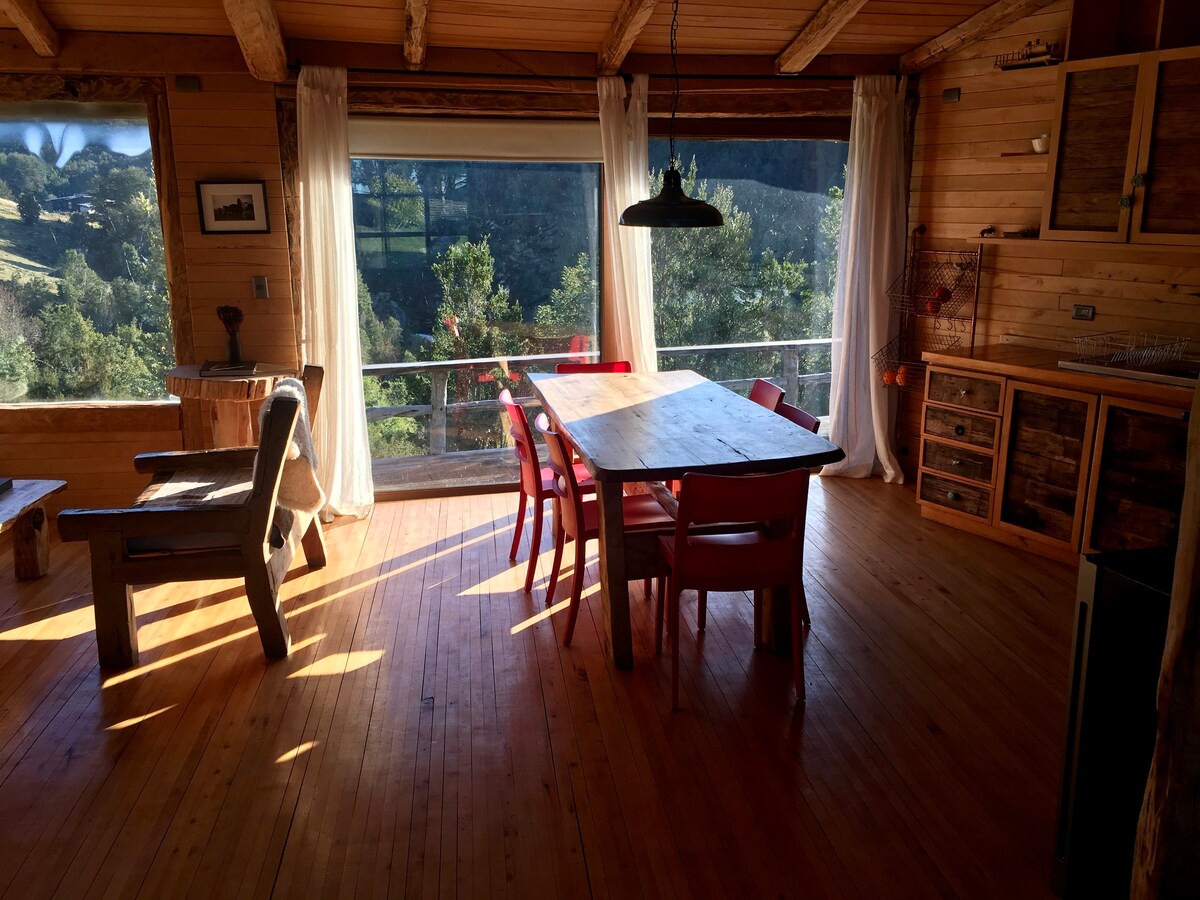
column 537, row 482
column 801, row 417
column 579, row 519
column 619, row 365
column 764, row 393
column 736, row 559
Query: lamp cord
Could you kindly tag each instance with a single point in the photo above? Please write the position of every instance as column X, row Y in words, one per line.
column 674, row 79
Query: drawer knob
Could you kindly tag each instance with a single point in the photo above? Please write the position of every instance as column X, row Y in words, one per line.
column 952, row 495
column 956, row 462
column 960, row 430
column 963, row 392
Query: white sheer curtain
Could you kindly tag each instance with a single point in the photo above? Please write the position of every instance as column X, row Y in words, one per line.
column 628, row 325
column 330, row 287
column 870, row 256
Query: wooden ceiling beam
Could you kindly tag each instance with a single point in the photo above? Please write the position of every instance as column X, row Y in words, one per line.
column 416, row 12
column 985, row 22
column 822, row 28
column 630, row 20
column 33, row 25
column 256, row 27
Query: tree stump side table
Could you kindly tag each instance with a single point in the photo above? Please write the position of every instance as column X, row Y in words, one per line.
column 230, row 397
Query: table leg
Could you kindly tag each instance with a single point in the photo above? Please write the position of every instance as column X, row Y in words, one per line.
column 31, row 544
column 614, row 579
column 231, row 424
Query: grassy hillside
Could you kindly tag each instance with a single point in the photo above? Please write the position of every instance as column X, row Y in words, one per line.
column 29, row 249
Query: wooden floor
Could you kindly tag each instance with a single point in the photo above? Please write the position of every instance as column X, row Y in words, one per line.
column 429, row 737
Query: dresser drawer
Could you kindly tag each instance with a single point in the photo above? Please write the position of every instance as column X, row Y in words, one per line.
column 963, row 498
column 969, row 391
column 980, row 431
column 957, row 461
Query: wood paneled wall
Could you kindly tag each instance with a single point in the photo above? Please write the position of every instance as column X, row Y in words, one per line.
column 89, row 445
column 227, row 131
column 962, row 183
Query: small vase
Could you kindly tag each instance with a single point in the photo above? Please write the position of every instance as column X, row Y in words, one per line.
column 233, row 347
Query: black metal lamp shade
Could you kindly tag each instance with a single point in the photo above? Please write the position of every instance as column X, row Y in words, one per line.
column 672, row 208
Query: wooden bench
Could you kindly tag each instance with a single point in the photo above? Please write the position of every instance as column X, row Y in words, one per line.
column 21, row 510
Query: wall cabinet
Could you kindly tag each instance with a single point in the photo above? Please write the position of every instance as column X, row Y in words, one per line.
column 1060, row 464
column 1123, row 165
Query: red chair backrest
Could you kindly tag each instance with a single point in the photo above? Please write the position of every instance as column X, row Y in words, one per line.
column 619, row 365
column 764, row 393
column 801, row 417
column 523, row 445
column 780, row 498
column 565, row 485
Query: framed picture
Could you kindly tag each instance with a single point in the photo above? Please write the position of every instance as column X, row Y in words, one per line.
column 233, row 207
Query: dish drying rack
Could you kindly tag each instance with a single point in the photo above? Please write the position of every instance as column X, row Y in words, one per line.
column 1129, row 349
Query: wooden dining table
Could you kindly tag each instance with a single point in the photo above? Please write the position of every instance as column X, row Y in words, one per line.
column 657, row 426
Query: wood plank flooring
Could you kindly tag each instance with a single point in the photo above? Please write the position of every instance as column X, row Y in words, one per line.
column 430, row 737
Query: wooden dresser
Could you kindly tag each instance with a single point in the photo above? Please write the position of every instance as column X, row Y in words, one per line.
column 1056, row 461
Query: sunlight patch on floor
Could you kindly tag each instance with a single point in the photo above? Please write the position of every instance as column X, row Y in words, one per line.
column 137, row 720
column 338, row 663
column 296, row 751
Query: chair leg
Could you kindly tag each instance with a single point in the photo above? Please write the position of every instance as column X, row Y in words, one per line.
column 758, row 619
column 264, row 603
column 674, row 601
column 313, row 542
column 807, row 619
column 660, row 602
column 512, row 552
column 701, row 610
column 560, row 539
column 797, row 593
column 576, row 591
column 535, row 542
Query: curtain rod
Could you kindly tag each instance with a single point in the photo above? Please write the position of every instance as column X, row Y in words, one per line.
column 627, row 76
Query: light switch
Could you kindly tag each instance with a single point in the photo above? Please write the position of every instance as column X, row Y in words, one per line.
column 259, row 283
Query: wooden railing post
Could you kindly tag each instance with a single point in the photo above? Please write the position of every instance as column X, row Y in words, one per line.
column 437, row 425
column 791, row 374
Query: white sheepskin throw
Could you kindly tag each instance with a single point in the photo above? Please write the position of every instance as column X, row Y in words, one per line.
column 299, row 489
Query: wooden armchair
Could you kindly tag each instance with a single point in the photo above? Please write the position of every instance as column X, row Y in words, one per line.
column 207, row 514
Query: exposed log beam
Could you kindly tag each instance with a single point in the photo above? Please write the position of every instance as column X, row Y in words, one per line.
column 33, row 25
column 631, row 19
column 415, row 14
column 816, row 35
column 985, row 22
column 256, row 28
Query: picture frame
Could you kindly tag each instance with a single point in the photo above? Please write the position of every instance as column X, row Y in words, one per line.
column 233, row 207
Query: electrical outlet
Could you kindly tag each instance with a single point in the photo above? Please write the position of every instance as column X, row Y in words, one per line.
column 1086, row 313
column 951, row 95
column 259, row 283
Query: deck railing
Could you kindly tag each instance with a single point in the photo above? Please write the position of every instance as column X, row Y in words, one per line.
column 788, row 376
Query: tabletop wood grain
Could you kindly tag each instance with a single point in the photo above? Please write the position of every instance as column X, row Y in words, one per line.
column 640, row 427
column 25, row 494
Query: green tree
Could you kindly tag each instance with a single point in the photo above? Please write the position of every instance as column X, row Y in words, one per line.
column 29, row 209
column 572, row 306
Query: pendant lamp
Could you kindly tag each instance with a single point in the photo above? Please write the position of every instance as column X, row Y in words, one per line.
column 672, row 208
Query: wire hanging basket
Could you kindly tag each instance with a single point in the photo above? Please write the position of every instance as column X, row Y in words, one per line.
column 936, row 284
column 898, row 363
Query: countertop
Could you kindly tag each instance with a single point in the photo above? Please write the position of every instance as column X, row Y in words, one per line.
column 1040, row 365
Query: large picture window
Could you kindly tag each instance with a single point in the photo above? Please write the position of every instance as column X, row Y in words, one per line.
column 462, row 261
column 84, row 309
column 753, row 298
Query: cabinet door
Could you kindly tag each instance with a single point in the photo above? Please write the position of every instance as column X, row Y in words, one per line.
column 1094, row 150
column 1137, row 477
column 1045, row 452
column 1167, row 196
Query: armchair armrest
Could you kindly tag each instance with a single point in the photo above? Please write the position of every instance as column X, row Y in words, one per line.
column 234, row 458
column 78, row 524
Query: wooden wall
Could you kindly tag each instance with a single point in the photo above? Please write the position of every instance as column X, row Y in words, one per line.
column 961, row 183
column 89, row 445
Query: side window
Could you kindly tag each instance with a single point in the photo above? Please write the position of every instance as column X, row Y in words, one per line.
column 84, row 309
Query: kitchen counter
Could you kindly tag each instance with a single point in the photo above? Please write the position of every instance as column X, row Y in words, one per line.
column 1041, row 365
